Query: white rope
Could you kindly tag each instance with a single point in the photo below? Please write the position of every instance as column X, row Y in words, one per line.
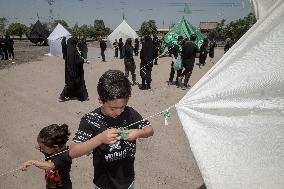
column 165, row 110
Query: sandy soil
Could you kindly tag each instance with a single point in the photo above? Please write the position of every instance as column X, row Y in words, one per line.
column 28, row 100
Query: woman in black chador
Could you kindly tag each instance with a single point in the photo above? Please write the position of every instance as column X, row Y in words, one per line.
column 129, row 61
column 120, row 46
column 147, row 57
column 203, row 52
column 75, row 86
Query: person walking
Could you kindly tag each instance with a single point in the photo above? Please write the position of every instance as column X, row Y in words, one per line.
column 103, row 47
column 147, row 57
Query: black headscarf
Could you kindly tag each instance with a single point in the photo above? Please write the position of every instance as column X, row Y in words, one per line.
column 128, row 49
column 147, row 51
column 64, row 48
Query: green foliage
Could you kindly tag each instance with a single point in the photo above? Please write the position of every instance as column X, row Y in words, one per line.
column 3, row 22
column 234, row 30
column 148, row 28
column 17, row 29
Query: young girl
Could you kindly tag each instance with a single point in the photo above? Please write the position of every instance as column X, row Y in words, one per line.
column 57, row 163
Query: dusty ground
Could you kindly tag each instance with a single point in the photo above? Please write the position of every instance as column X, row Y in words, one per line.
column 28, row 100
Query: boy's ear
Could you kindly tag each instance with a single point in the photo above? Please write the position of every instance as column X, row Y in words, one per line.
column 99, row 99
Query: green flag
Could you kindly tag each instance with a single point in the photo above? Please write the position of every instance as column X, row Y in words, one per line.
column 186, row 9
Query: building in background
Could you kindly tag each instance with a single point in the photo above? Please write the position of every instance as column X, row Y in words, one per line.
column 206, row 27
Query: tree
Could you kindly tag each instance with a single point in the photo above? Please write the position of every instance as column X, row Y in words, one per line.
column 3, row 22
column 17, row 29
column 99, row 29
column 75, row 30
column 148, row 28
column 234, row 30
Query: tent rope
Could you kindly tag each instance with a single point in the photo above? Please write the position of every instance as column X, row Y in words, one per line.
column 165, row 112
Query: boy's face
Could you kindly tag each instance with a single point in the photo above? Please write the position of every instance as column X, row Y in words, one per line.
column 113, row 108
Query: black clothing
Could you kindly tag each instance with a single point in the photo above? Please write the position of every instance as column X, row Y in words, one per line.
column 203, row 51
column 136, row 47
column 174, row 51
column 113, row 164
column 115, row 44
column 83, row 48
column 64, row 48
column 59, row 177
column 103, row 47
column 156, row 44
column 188, row 54
column 74, row 78
column 146, row 56
column 120, row 47
column 212, row 46
column 129, row 61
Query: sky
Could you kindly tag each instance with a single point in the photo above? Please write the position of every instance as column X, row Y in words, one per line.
column 164, row 12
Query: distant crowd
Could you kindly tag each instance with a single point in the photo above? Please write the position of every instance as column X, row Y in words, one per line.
column 6, row 48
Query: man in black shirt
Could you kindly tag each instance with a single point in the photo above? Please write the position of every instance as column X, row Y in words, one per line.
column 188, row 54
column 103, row 47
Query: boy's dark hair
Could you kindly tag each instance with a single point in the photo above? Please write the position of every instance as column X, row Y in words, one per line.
column 113, row 85
column 53, row 135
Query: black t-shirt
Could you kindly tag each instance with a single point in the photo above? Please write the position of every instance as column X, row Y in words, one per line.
column 113, row 164
column 189, row 50
column 59, row 177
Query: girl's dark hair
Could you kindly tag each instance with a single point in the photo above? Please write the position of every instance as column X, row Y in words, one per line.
column 113, row 85
column 53, row 135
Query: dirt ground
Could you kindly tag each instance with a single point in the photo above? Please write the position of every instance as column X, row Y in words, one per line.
column 29, row 91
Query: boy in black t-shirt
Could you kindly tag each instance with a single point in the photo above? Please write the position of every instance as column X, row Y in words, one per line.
column 111, row 132
column 57, row 164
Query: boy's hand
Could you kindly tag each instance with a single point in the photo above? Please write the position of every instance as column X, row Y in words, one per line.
column 109, row 136
column 133, row 134
column 24, row 166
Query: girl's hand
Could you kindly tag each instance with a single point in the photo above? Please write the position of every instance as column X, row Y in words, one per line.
column 24, row 166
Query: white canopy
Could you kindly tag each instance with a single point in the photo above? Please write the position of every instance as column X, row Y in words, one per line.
column 55, row 38
column 234, row 116
column 123, row 31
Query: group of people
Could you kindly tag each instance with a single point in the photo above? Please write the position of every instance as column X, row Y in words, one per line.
column 184, row 59
column 109, row 132
column 6, row 48
column 148, row 55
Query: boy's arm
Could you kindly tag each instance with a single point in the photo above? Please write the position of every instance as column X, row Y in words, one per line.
column 145, row 132
column 45, row 165
column 78, row 149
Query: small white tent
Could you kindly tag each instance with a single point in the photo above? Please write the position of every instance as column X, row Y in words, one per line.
column 55, row 38
column 123, row 31
column 234, row 116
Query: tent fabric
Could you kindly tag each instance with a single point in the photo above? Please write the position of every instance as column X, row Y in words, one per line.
column 261, row 7
column 38, row 33
column 55, row 38
column 123, row 31
column 233, row 116
column 181, row 28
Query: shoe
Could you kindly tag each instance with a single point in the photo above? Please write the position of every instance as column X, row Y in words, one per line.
column 172, row 82
column 63, row 99
column 179, row 82
column 143, row 88
column 185, row 87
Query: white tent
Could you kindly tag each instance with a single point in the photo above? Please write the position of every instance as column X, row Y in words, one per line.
column 234, row 116
column 123, row 31
column 55, row 38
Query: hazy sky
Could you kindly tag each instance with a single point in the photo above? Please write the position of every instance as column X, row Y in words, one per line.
column 164, row 12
